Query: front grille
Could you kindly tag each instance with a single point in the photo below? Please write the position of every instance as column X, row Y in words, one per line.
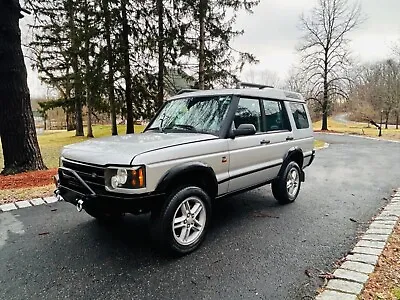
column 92, row 175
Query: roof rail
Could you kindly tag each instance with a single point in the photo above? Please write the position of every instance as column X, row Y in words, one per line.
column 186, row 91
column 252, row 85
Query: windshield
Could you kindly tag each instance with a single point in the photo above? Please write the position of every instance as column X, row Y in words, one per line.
column 193, row 114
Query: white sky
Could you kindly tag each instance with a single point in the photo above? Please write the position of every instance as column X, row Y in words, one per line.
column 272, row 33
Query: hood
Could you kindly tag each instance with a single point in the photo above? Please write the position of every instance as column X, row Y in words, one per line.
column 120, row 150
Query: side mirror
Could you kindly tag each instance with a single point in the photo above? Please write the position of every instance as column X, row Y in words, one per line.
column 244, row 129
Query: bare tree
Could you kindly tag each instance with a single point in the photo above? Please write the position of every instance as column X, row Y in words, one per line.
column 325, row 55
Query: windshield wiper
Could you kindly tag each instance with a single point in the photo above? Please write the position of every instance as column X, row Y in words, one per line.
column 153, row 128
column 184, row 126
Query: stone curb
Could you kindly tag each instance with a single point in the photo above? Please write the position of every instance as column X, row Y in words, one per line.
column 359, row 136
column 350, row 278
column 27, row 203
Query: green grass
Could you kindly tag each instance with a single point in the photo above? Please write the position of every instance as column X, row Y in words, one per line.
column 52, row 141
column 360, row 129
column 396, row 293
column 318, row 144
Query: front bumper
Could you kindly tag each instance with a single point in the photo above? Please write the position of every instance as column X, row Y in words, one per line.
column 71, row 188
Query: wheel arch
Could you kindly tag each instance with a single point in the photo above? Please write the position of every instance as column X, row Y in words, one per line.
column 294, row 154
column 197, row 173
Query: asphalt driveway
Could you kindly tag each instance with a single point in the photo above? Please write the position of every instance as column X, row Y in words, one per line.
column 256, row 249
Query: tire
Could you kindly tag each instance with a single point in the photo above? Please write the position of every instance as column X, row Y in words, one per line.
column 173, row 229
column 104, row 217
column 287, row 187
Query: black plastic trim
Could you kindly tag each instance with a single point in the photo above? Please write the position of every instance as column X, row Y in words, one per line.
column 249, row 172
column 169, row 176
column 244, row 189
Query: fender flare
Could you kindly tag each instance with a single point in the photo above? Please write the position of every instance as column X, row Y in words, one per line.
column 287, row 157
column 180, row 170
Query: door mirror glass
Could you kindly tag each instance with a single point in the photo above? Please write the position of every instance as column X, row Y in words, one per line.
column 244, row 129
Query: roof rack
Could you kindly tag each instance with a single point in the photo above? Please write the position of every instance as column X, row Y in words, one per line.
column 186, row 91
column 252, row 85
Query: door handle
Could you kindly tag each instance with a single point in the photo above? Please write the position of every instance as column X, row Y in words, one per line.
column 290, row 138
column 264, row 142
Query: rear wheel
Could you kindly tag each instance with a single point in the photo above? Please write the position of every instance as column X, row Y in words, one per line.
column 181, row 225
column 287, row 187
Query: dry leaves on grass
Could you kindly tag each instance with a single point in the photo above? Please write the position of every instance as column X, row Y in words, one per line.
column 384, row 283
column 12, row 195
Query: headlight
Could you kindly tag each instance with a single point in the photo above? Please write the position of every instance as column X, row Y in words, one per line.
column 126, row 178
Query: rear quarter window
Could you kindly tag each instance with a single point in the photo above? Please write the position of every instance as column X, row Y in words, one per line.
column 299, row 115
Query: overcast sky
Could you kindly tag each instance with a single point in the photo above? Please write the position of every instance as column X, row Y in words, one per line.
column 272, row 33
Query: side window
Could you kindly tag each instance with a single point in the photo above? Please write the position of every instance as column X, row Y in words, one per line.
column 299, row 115
column 275, row 116
column 248, row 112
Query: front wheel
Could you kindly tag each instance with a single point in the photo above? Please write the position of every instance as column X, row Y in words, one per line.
column 181, row 225
column 286, row 188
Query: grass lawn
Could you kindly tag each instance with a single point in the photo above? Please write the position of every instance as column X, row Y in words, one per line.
column 52, row 141
column 318, row 144
column 360, row 129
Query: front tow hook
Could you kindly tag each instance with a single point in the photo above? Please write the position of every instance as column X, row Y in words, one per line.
column 79, row 205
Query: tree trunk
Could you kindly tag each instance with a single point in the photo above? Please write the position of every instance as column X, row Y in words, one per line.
column 75, row 68
column 17, row 127
column 87, row 75
column 160, row 79
column 202, row 17
column 71, row 125
column 110, row 58
column 397, row 119
column 387, row 119
column 326, row 98
column 130, row 128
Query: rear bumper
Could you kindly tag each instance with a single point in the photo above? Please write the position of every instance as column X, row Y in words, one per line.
column 312, row 155
column 85, row 195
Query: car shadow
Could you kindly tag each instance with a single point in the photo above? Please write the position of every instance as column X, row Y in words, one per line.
column 133, row 231
column 127, row 244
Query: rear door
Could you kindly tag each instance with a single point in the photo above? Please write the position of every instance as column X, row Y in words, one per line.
column 279, row 134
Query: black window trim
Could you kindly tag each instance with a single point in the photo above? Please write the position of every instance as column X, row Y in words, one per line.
column 285, row 112
column 235, row 103
column 305, row 111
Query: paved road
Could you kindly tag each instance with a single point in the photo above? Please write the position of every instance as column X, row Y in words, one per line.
column 344, row 118
column 255, row 250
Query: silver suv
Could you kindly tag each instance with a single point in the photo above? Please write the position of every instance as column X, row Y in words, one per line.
column 201, row 146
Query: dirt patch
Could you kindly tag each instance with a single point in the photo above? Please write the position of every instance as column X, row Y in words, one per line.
column 27, row 180
column 384, row 283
